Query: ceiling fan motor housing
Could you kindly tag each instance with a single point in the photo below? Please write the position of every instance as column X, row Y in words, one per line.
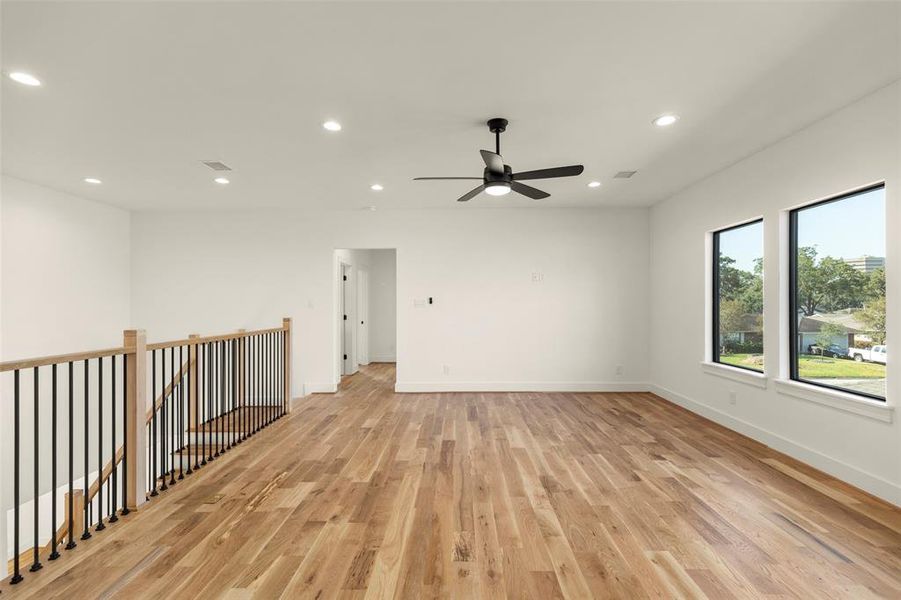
column 505, row 177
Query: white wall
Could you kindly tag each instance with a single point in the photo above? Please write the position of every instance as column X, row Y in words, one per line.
column 854, row 147
column 491, row 325
column 66, row 272
column 383, row 306
column 65, row 287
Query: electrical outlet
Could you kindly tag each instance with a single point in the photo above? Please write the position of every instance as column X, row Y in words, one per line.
column 732, row 398
column 619, row 369
column 446, row 369
column 537, row 277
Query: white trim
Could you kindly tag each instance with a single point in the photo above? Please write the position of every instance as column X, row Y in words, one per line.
column 518, row 386
column 868, row 482
column 319, row 388
column 383, row 358
column 872, row 409
column 735, row 374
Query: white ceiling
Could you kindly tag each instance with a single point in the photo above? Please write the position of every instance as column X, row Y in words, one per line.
column 138, row 94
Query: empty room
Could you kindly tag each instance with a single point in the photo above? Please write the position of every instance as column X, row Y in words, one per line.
column 468, row 299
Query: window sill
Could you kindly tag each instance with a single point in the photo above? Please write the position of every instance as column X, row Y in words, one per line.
column 873, row 409
column 735, row 374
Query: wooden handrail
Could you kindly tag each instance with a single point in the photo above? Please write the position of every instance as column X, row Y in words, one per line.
column 195, row 341
column 42, row 361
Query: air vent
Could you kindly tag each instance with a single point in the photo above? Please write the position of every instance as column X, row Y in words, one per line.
column 624, row 174
column 216, row 165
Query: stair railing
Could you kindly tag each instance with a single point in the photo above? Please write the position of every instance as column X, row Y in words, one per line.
column 225, row 389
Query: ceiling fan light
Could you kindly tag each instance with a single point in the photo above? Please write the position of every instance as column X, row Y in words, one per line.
column 497, row 189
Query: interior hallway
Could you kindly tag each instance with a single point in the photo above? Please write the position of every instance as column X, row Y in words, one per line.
column 369, row 493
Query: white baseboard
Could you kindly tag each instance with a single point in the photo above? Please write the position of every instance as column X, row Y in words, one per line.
column 319, row 388
column 383, row 358
column 868, row 482
column 423, row 387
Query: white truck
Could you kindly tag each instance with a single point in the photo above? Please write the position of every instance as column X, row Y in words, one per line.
column 875, row 354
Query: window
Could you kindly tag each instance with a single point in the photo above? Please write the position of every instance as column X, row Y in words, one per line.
column 837, row 295
column 738, row 296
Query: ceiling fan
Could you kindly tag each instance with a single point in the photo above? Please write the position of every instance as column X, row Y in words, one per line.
column 498, row 178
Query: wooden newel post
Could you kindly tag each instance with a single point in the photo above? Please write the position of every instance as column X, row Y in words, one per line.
column 135, row 343
column 239, row 396
column 286, row 325
column 192, row 383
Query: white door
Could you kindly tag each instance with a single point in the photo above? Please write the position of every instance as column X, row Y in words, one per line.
column 348, row 363
column 362, row 317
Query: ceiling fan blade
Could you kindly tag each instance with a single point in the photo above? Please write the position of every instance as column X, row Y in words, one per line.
column 527, row 190
column 444, row 178
column 470, row 195
column 550, row 173
column 493, row 161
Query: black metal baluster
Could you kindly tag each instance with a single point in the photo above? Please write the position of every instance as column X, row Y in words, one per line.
column 36, row 565
column 270, row 408
column 71, row 512
column 100, row 525
column 125, row 510
column 164, row 423
column 221, row 396
column 205, row 380
column 202, row 393
column 153, row 474
column 181, row 413
column 284, row 366
column 269, row 381
column 211, row 376
column 54, row 554
column 114, row 468
column 170, row 454
column 87, row 469
column 194, row 390
column 234, row 404
column 191, row 395
column 17, row 577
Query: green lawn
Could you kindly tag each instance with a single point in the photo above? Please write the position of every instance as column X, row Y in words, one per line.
column 749, row 361
column 818, row 367
column 815, row 367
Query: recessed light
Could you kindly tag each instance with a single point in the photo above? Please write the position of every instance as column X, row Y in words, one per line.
column 332, row 125
column 221, row 181
column 25, row 78
column 92, row 180
column 370, row 208
column 376, row 187
column 594, row 184
column 665, row 120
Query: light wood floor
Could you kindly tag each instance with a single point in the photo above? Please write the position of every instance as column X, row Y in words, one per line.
column 373, row 494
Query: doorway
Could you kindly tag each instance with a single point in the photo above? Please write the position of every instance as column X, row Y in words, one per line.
column 366, row 309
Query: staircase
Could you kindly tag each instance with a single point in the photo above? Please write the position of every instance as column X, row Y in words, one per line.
column 150, row 414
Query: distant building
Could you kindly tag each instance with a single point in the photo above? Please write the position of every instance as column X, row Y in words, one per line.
column 866, row 264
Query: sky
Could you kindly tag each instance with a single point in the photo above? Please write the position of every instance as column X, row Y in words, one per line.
column 849, row 228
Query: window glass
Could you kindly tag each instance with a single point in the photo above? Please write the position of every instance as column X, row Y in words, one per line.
column 838, row 293
column 738, row 296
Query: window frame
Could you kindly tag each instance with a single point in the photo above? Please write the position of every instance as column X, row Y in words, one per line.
column 793, row 286
column 715, row 304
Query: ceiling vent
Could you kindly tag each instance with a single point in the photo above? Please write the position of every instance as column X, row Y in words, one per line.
column 216, row 165
column 624, row 174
